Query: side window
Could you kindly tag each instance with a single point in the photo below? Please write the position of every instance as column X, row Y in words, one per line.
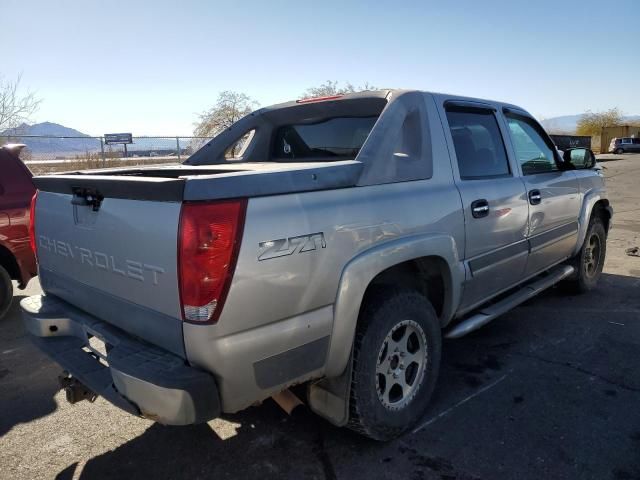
column 532, row 151
column 636, row 141
column 478, row 143
column 237, row 149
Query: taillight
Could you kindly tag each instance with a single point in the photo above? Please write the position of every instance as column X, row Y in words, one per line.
column 319, row 99
column 32, row 223
column 208, row 243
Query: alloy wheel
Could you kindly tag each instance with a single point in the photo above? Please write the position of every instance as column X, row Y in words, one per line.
column 401, row 365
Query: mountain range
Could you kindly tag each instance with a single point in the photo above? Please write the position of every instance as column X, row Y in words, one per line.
column 63, row 142
column 78, row 142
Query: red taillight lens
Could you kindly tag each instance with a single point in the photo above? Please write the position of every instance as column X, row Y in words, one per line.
column 208, row 244
column 32, row 223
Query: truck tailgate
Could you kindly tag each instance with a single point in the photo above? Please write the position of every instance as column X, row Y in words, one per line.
column 118, row 263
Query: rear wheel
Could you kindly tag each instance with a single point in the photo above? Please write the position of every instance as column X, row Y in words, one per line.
column 6, row 291
column 590, row 260
column 396, row 361
column 618, row 151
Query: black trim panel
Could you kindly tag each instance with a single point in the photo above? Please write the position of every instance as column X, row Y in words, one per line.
column 552, row 236
column 262, row 183
column 468, row 105
column 292, row 364
column 116, row 186
column 496, row 256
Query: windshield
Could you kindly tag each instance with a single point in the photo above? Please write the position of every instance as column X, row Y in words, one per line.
column 338, row 138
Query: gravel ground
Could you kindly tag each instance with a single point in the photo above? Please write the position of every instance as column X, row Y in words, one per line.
column 549, row 390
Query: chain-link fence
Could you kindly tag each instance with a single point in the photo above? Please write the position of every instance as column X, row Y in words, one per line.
column 45, row 154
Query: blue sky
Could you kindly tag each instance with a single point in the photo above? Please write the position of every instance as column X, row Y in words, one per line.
column 150, row 67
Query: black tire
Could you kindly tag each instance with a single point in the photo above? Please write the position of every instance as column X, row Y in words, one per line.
column 388, row 316
column 590, row 259
column 6, row 291
column 618, row 151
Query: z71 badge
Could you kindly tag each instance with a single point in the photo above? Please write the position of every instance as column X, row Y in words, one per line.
column 288, row 246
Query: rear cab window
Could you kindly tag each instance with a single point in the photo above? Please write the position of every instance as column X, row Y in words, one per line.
column 332, row 139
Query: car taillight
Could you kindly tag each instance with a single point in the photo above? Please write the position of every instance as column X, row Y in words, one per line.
column 208, row 244
column 319, row 99
column 32, row 223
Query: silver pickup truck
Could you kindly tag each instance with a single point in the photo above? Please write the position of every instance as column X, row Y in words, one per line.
column 330, row 242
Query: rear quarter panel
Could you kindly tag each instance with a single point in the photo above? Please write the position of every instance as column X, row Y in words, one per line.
column 278, row 305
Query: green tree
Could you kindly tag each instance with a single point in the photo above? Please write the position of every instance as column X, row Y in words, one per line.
column 330, row 87
column 591, row 123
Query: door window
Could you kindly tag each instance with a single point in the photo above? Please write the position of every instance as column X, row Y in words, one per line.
column 533, row 152
column 478, row 144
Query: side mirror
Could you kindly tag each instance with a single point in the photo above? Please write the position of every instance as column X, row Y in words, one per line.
column 579, row 158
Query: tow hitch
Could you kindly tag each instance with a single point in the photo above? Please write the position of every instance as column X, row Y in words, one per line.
column 74, row 390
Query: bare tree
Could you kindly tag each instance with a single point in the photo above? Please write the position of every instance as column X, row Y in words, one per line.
column 229, row 108
column 16, row 106
column 332, row 87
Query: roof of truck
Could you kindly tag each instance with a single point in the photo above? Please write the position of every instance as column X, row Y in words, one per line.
column 385, row 93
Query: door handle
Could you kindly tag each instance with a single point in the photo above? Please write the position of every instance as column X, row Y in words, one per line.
column 534, row 197
column 479, row 208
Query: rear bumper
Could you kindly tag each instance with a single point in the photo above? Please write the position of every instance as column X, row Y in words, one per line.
column 138, row 377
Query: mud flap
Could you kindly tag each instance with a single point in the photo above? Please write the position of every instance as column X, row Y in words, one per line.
column 329, row 397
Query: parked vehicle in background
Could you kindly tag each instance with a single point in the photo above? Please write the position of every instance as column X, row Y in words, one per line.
column 17, row 261
column 624, row 145
column 335, row 248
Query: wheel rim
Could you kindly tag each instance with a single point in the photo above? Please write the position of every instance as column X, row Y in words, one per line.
column 401, row 365
column 592, row 255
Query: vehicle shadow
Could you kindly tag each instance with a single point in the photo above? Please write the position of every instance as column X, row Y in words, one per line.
column 267, row 444
column 27, row 377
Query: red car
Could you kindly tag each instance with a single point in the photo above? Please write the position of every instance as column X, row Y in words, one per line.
column 17, row 260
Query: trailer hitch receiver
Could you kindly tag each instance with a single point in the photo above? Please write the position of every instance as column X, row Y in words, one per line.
column 74, row 390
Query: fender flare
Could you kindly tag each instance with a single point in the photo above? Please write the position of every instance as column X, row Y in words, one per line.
column 590, row 199
column 362, row 269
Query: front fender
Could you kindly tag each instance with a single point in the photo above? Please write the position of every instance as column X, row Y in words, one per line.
column 362, row 269
column 590, row 199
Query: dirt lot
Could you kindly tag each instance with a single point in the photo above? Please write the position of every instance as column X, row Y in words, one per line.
column 550, row 390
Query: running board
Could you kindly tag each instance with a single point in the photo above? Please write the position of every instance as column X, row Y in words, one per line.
column 488, row 313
